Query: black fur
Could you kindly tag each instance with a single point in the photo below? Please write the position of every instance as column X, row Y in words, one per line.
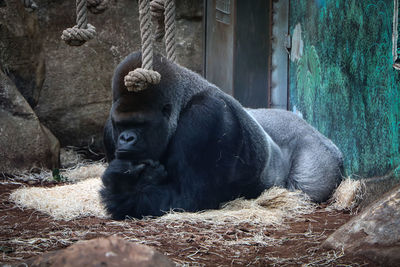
column 184, row 144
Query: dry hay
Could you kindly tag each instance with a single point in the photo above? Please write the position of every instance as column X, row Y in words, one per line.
column 81, row 171
column 69, row 157
column 271, row 208
column 348, row 195
column 72, row 201
column 63, row 202
column 82, row 199
column 84, row 171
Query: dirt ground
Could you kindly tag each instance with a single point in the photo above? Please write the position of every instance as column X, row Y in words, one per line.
column 26, row 233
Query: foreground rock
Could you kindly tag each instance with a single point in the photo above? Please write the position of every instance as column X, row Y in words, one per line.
column 375, row 187
column 374, row 233
column 24, row 142
column 111, row 251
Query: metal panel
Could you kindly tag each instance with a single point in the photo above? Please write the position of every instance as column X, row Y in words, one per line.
column 280, row 58
column 219, row 43
column 237, row 48
column 252, row 50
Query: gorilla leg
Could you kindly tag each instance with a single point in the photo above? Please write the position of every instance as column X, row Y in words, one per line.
column 315, row 172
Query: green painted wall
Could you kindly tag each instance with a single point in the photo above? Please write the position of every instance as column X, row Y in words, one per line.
column 344, row 83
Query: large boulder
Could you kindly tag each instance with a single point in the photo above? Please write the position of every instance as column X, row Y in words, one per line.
column 374, row 233
column 76, row 96
column 24, row 142
column 375, row 187
column 111, row 251
column 21, row 51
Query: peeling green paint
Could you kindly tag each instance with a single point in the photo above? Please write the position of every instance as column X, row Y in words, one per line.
column 344, row 83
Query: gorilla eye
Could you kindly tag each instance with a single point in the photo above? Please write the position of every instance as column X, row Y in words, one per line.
column 166, row 110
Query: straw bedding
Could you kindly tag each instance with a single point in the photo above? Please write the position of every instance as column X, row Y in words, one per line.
column 80, row 199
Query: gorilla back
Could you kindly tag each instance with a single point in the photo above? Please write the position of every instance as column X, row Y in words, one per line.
column 184, row 144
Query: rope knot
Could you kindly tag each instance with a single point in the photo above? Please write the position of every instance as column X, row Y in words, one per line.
column 75, row 36
column 138, row 79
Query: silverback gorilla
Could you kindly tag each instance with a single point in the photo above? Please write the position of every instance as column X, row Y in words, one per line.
column 184, row 144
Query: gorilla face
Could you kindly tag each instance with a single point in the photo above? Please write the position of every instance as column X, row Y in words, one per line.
column 140, row 132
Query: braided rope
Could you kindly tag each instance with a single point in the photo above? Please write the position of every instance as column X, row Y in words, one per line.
column 97, row 6
column 163, row 12
column 157, row 12
column 81, row 32
column 138, row 79
column 170, row 44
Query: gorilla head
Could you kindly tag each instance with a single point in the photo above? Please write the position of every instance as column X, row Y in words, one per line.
column 185, row 144
column 141, row 131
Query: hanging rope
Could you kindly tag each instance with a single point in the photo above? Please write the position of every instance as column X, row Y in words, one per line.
column 157, row 12
column 138, row 79
column 170, row 30
column 81, row 32
column 163, row 12
column 97, row 6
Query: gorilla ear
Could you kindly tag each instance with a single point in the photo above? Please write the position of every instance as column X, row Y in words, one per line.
column 166, row 110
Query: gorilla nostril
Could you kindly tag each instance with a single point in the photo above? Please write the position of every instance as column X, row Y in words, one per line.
column 127, row 138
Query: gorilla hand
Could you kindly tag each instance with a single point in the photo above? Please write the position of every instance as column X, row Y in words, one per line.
column 133, row 188
column 152, row 173
column 124, row 176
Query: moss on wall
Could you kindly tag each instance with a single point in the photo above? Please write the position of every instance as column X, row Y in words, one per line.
column 344, row 83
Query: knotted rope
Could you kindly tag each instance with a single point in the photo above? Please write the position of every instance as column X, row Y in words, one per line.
column 81, row 32
column 139, row 79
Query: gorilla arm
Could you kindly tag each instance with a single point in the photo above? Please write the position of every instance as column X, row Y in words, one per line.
column 207, row 160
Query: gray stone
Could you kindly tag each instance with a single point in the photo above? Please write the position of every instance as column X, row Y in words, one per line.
column 374, row 233
column 375, row 187
column 21, row 50
column 189, row 9
column 25, row 143
column 111, row 251
column 189, row 36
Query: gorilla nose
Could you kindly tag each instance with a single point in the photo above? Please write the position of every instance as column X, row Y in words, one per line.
column 127, row 138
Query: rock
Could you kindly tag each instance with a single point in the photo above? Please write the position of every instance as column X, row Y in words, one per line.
column 189, row 9
column 374, row 233
column 111, row 251
column 25, row 143
column 21, row 50
column 189, row 38
column 375, row 187
column 76, row 96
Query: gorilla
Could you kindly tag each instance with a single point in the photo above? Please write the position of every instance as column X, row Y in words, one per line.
column 184, row 144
